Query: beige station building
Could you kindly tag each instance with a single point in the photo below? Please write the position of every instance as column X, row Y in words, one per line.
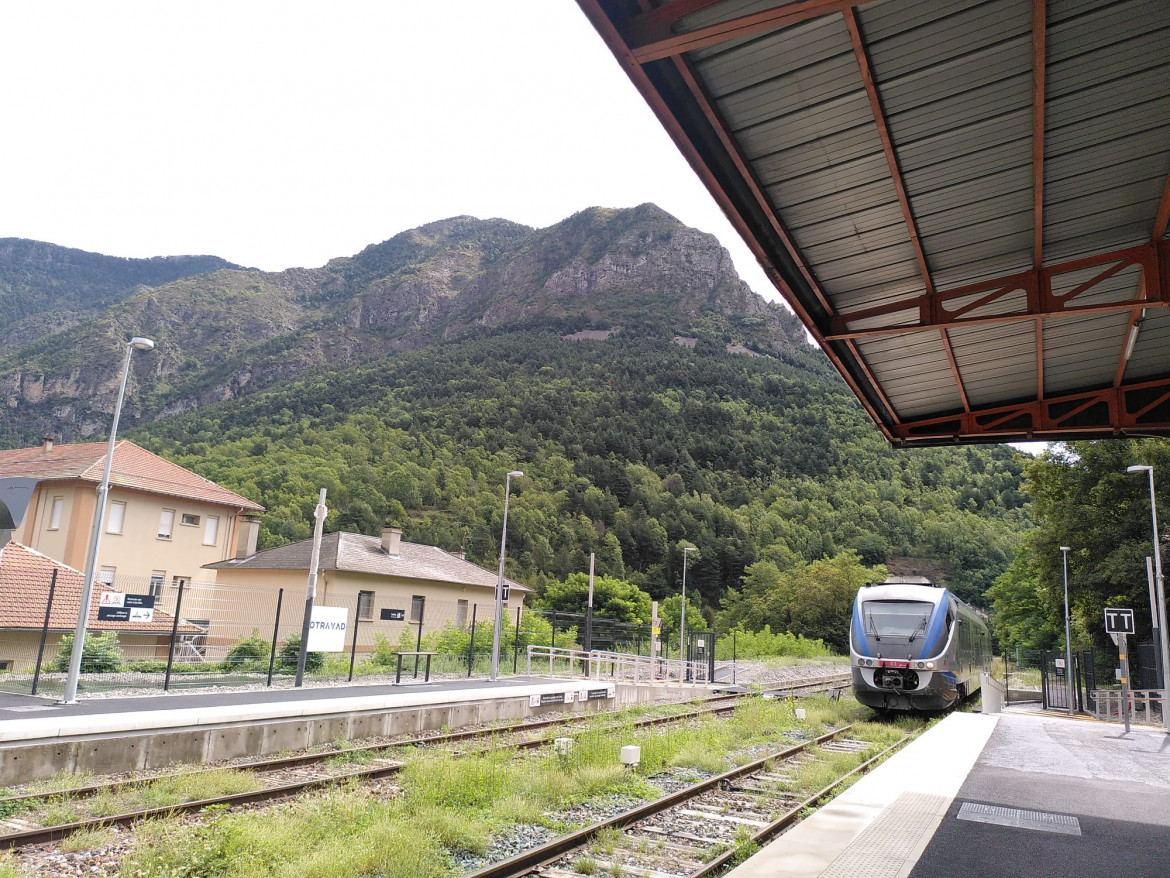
column 163, row 523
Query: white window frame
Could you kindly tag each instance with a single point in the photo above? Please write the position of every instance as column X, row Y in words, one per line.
column 211, row 525
column 170, row 526
column 106, row 577
column 158, row 578
column 57, row 509
column 418, row 604
column 120, row 517
column 193, row 522
column 461, row 613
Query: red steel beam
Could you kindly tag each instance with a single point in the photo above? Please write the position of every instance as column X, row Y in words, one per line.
column 1124, row 411
column 1039, row 299
column 650, row 35
column 879, row 117
column 1039, row 35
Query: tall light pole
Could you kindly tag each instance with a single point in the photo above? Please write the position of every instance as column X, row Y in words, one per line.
column 1068, row 665
column 682, row 627
column 95, row 537
column 500, row 581
column 1159, row 620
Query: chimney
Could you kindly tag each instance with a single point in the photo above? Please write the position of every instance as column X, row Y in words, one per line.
column 46, row 444
column 459, row 553
column 391, row 540
column 248, row 532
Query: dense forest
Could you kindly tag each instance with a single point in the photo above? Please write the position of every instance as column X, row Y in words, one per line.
column 631, row 447
column 1085, row 500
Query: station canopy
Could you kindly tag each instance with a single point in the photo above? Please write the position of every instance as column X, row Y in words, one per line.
column 965, row 202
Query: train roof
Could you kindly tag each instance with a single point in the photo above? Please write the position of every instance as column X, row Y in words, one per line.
column 902, row 591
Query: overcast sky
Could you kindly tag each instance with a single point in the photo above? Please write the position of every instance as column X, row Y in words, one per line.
column 279, row 134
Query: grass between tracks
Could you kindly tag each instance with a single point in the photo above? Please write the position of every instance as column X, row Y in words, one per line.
column 446, row 808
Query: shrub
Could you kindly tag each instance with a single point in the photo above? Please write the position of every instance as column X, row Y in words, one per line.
column 250, row 654
column 384, row 653
column 766, row 644
column 100, row 655
column 289, row 653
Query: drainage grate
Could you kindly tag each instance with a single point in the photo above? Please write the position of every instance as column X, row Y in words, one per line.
column 1061, row 823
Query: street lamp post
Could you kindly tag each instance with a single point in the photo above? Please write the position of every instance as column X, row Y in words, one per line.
column 99, row 515
column 682, row 627
column 1068, row 665
column 1159, row 620
column 500, row 581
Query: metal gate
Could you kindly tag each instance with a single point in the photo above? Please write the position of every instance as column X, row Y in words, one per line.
column 701, row 648
column 1054, row 680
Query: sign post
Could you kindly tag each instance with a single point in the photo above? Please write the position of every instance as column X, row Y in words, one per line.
column 655, row 646
column 1119, row 624
column 311, row 586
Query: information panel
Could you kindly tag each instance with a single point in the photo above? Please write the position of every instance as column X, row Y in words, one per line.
column 327, row 629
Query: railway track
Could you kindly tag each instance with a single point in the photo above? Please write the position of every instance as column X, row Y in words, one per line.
column 699, row 829
column 292, row 775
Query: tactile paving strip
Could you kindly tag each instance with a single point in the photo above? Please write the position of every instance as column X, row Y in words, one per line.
column 1001, row 816
column 898, row 833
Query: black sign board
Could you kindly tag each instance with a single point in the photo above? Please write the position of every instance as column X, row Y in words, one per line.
column 596, row 694
column 552, row 698
column 129, row 602
column 1118, row 621
column 392, row 615
column 504, row 594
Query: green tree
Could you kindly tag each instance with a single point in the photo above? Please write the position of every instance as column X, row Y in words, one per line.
column 612, row 598
column 100, row 655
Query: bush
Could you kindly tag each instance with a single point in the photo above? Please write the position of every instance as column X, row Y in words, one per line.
column 384, row 654
column 250, row 654
column 765, row 644
column 101, row 654
column 290, row 652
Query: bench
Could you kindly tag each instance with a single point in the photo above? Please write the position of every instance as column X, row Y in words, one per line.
column 417, row 656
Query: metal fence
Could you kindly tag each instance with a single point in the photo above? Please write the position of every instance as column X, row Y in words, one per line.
column 201, row 634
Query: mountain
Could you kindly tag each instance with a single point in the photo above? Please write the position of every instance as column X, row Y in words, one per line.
column 651, row 399
column 45, row 288
column 231, row 330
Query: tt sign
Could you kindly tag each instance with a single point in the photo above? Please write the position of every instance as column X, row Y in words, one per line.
column 327, row 629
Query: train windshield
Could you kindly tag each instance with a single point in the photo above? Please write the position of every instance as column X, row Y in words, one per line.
column 896, row 618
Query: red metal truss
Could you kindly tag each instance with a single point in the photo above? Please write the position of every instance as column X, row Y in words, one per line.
column 1138, row 408
column 1163, row 217
column 650, row 35
column 930, row 312
column 1039, row 62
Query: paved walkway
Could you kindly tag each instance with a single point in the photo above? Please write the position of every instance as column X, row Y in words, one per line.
column 1005, row 796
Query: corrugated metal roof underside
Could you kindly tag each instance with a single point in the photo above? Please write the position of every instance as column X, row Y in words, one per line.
column 1107, row 123
column 955, row 85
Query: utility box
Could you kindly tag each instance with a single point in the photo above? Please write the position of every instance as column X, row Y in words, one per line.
column 631, row 754
column 562, row 746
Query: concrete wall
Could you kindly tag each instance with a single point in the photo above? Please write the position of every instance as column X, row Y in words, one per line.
column 21, row 762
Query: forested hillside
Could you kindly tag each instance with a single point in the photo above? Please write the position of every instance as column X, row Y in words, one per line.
column 630, row 447
column 651, row 398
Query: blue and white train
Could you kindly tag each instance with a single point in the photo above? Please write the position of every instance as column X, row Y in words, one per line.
column 915, row 646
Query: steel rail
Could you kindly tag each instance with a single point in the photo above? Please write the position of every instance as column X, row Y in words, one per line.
column 526, row 861
column 40, row 835
column 774, row 828
column 283, row 762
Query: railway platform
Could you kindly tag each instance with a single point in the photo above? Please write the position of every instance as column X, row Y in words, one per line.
column 40, row 737
column 1011, row 795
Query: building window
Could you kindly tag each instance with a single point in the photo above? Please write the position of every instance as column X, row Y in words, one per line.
column 106, row 577
column 166, row 524
column 365, row 609
column 210, row 531
column 180, row 581
column 190, row 520
column 116, row 520
column 5, row 666
column 157, row 578
column 55, row 515
column 416, row 608
column 461, row 614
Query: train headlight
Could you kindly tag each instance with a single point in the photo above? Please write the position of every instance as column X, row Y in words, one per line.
column 930, row 666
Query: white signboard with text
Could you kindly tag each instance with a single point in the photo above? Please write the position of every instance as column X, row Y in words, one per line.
column 327, row 629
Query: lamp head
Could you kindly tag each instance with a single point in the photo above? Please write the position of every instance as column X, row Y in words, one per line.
column 141, row 344
column 1066, row 548
column 515, row 472
column 1139, row 468
column 688, row 549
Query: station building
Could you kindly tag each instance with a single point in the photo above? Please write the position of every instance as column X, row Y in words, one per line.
column 163, row 522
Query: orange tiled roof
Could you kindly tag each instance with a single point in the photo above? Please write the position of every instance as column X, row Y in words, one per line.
column 25, row 575
column 134, row 467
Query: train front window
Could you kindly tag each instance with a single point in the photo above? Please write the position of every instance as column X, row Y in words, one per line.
column 896, row 618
